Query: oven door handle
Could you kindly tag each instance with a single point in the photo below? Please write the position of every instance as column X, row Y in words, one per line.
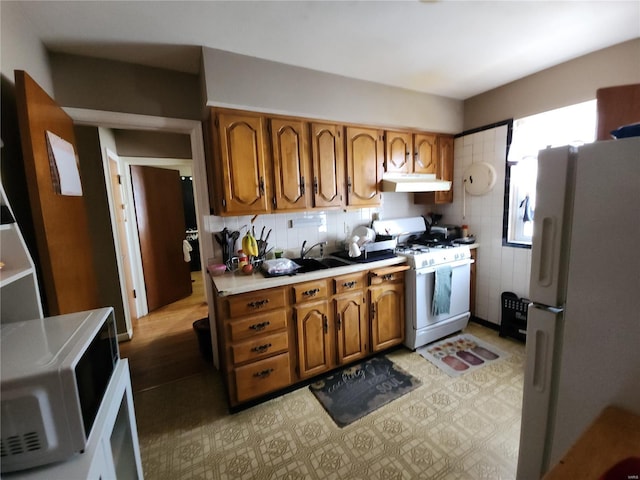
column 459, row 263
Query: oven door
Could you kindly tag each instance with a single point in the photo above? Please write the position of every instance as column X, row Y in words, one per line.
column 421, row 283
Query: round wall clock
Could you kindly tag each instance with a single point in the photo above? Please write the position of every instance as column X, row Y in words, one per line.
column 479, row 178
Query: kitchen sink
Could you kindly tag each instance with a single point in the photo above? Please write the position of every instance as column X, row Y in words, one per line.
column 314, row 264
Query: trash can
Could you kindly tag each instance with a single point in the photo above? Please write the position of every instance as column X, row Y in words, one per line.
column 202, row 328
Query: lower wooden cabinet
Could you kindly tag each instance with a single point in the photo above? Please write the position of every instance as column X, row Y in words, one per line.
column 387, row 307
column 315, row 345
column 351, row 327
column 271, row 339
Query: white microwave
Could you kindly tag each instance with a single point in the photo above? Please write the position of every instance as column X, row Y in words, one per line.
column 54, row 374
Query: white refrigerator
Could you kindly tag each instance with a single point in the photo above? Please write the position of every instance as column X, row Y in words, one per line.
column 583, row 329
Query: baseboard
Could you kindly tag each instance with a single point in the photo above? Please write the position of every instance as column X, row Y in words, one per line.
column 485, row 323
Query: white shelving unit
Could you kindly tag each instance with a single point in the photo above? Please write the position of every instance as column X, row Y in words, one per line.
column 19, row 292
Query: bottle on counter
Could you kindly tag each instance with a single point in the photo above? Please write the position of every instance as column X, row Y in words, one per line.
column 465, row 231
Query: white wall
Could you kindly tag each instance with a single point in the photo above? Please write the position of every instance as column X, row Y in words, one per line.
column 499, row 268
column 333, row 229
column 249, row 83
column 560, row 86
column 21, row 49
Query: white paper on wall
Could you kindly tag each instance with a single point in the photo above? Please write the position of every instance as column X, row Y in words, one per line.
column 64, row 166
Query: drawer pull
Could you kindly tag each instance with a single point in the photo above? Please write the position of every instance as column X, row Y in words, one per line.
column 261, row 348
column 259, row 326
column 311, row 293
column 387, row 276
column 263, row 373
column 258, row 303
column 350, row 284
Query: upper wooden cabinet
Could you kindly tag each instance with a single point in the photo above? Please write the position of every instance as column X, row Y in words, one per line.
column 425, row 153
column 444, row 171
column 365, row 157
column 408, row 152
column 289, row 150
column 243, row 163
column 327, row 154
column 445, row 167
column 399, row 152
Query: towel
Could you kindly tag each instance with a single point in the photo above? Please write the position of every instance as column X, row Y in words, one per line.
column 442, row 291
column 186, row 249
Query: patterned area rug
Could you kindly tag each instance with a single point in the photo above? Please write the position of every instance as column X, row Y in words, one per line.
column 461, row 354
column 358, row 390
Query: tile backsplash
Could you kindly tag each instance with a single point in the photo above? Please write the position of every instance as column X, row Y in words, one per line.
column 289, row 230
column 499, row 268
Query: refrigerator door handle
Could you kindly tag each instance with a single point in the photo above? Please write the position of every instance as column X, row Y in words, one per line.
column 540, row 346
column 546, row 275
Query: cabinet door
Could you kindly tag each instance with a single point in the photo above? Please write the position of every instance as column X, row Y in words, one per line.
column 327, row 153
column 399, row 152
column 364, row 166
column 387, row 315
column 445, row 167
column 289, row 147
column 314, row 341
column 351, row 327
column 244, row 160
column 425, row 155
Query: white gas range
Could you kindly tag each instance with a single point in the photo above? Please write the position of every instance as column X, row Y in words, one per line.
column 437, row 284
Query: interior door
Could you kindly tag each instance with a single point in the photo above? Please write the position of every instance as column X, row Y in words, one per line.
column 120, row 204
column 60, row 221
column 159, row 210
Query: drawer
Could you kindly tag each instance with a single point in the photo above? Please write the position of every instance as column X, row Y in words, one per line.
column 256, row 302
column 349, row 283
column 260, row 347
column 262, row 377
column 388, row 274
column 257, row 325
column 303, row 292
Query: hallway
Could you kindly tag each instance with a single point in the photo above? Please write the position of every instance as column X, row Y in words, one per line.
column 164, row 347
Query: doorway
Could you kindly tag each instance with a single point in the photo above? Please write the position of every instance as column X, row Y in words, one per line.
column 191, row 128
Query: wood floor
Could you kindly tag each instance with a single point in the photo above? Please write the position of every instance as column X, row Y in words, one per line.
column 164, row 347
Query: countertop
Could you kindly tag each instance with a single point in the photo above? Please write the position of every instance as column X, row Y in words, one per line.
column 233, row 283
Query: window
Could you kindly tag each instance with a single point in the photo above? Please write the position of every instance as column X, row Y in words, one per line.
column 573, row 125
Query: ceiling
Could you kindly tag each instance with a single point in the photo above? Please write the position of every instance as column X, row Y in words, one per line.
column 456, row 49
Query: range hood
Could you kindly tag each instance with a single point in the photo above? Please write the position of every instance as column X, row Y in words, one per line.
column 413, row 182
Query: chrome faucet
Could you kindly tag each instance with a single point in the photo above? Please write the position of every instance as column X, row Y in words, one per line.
column 304, row 253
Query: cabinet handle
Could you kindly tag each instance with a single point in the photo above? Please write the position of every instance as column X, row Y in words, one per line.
column 387, row 276
column 263, row 373
column 350, row 284
column 315, row 185
column 373, row 311
column 339, row 322
column 261, row 185
column 302, row 187
column 326, row 323
column 259, row 326
column 311, row 293
column 261, row 348
column 348, row 184
column 258, row 303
